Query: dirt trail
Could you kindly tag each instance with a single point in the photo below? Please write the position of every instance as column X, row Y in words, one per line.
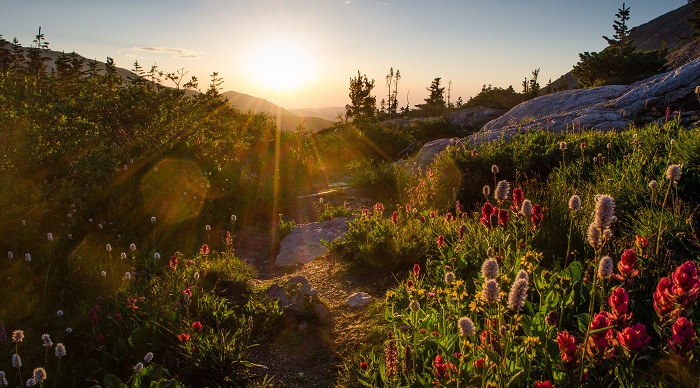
column 307, row 354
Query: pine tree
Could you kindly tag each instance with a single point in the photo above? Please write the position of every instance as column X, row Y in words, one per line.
column 5, row 55
column 137, row 74
column 619, row 63
column 363, row 105
column 215, row 85
column 435, row 103
column 620, row 39
column 694, row 20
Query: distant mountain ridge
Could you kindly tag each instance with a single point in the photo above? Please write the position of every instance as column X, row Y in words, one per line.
column 287, row 120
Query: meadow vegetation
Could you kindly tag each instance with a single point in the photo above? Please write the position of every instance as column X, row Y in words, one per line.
column 122, row 200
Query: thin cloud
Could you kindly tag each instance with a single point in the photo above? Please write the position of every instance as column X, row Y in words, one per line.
column 178, row 52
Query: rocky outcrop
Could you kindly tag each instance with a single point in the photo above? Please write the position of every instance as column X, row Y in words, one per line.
column 464, row 119
column 427, row 154
column 473, row 117
column 304, row 242
column 602, row 108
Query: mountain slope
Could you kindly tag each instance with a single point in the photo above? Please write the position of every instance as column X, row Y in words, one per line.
column 244, row 102
column 649, row 36
column 287, row 120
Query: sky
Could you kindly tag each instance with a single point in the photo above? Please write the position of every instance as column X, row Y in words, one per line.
column 302, row 53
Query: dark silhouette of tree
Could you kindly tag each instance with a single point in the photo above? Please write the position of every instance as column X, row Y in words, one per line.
column 363, row 105
column 136, row 78
column 392, row 80
column 694, row 20
column 620, row 39
column 435, row 103
column 619, row 63
column 36, row 61
column 215, row 83
column 5, row 55
column 531, row 87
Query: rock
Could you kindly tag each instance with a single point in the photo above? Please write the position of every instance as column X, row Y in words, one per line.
column 358, row 299
column 303, row 243
column 276, row 292
column 303, row 285
column 473, row 117
column 321, row 312
column 427, row 154
column 602, row 108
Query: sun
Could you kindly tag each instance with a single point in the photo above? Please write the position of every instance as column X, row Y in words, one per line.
column 281, row 65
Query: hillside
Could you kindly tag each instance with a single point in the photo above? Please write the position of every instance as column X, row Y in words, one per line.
column 650, row 36
column 244, row 102
column 289, row 120
column 329, row 113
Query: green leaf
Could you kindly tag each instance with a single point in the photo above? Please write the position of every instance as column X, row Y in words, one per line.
column 155, row 373
column 112, row 381
column 583, row 320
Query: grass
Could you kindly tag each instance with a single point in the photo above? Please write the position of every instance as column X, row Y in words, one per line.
column 424, row 345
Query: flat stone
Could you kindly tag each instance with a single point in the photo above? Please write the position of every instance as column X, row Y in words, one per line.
column 303, row 243
column 276, row 292
column 358, row 299
column 321, row 312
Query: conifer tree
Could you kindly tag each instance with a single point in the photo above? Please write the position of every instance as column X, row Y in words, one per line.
column 5, row 55
column 435, row 103
column 620, row 39
column 363, row 105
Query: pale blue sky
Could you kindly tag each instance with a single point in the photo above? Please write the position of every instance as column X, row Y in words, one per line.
column 471, row 42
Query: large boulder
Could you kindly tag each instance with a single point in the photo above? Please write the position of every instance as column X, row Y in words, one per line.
column 304, row 242
column 473, row 117
column 427, row 155
column 602, row 108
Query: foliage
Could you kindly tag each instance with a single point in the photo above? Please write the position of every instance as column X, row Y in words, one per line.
column 363, row 105
column 564, row 299
column 495, row 97
column 619, row 63
column 435, row 103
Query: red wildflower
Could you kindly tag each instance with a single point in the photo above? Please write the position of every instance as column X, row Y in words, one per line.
column 204, row 249
column 378, row 207
column 416, row 270
column 363, row 365
column 486, row 212
column 433, row 214
column 183, row 337
column 642, row 243
column 442, row 368
column 682, row 339
column 686, row 284
column 543, row 384
column 518, row 197
column 189, row 263
column 449, row 217
column 197, row 326
column 663, row 304
column 440, row 241
column 503, row 217
column 173, row 261
column 394, row 217
column 187, row 291
column 633, row 338
column 619, row 306
column 567, row 348
column 478, row 364
column 599, row 342
column 537, row 215
column 626, row 266
column 409, row 283
column 119, row 317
